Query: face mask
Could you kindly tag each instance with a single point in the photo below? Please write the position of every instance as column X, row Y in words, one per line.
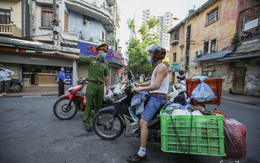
column 62, row 70
column 103, row 55
column 150, row 60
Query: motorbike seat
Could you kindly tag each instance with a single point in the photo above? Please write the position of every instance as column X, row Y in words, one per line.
column 15, row 80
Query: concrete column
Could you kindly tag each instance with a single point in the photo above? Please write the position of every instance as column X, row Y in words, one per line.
column 74, row 72
column 209, row 49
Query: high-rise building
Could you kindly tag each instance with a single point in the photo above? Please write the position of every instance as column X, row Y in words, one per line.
column 166, row 21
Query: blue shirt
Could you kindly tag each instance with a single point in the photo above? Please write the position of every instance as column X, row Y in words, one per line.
column 61, row 75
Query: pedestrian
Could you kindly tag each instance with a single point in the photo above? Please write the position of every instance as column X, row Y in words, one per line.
column 5, row 82
column 158, row 89
column 98, row 74
column 180, row 77
column 61, row 82
column 121, row 78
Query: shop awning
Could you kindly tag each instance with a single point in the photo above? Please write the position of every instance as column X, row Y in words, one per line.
column 175, row 67
column 212, row 56
column 240, row 57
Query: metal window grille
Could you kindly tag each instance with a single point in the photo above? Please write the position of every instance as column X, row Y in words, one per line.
column 213, row 16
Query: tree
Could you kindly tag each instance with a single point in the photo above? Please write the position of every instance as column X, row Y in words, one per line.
column 137, row 56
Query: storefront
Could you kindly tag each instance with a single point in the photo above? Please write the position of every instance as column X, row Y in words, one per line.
column 175, row 68
column 114, row 59
column 31, row 62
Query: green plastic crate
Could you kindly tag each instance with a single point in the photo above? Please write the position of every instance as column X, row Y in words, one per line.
column 207, row 135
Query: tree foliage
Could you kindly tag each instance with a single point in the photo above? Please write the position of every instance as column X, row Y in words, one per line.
column 137, row 56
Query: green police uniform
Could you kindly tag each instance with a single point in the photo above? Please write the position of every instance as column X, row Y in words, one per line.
column 96, row 71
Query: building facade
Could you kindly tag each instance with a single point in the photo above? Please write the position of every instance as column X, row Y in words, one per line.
column 11, row 18
column 79, row 21
column 204, row 44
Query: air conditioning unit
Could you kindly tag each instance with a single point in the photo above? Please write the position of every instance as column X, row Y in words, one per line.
column 198, row 53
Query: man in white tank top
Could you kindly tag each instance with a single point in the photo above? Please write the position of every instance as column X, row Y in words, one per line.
column 158, row 89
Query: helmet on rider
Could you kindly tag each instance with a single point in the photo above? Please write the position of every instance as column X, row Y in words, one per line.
column 158, row 51
column 1, row 65
column 181, row 72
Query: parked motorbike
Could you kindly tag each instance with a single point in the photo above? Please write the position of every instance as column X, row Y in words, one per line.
column 67, row 105
column 117, row 118
column 180, row 87
column 16, row 85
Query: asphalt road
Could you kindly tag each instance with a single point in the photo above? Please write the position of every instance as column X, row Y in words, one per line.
column 30, row 133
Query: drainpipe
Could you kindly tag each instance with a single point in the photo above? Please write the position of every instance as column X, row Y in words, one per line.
column 185, row 60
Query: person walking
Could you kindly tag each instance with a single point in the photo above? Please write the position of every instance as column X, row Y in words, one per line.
column 158, row 89
column 61, row 82
column 98, row 74
column 5, row 79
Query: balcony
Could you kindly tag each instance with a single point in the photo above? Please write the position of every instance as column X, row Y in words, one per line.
column 105, row 15
column 9, row 29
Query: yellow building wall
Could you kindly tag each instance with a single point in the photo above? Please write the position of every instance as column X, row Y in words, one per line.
column 179, row 49
column 222, row 30
column 16, row 14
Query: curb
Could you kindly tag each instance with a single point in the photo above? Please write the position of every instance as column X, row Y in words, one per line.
column 30, row 95
column 239, row 101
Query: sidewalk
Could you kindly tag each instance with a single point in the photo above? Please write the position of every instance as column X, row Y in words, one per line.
column 44, row 91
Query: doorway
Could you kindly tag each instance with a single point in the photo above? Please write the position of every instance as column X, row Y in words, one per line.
column 239, row 79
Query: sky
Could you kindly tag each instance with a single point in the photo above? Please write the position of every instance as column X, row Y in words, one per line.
column 127, row 9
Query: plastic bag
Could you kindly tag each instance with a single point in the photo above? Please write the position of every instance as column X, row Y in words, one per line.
column 138, row 101
column 117, row 91
column 171, row 107
column 235, row 140
column 181, row 98
column 135, row 118
column 203, row 92
column 198, row 77
column 109, row 96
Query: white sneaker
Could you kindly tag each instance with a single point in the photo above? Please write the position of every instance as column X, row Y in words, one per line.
column 3, row 94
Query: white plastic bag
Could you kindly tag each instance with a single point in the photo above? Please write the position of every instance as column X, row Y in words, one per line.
column 109, row 96
column 117, row 91
column 203, row 92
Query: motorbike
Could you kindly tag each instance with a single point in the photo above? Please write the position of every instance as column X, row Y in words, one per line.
column 67, row 106
column 180, row 87
column 116, row 119
column 16, row 85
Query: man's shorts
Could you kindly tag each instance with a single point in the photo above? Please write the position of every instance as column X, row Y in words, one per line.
column 152, row 106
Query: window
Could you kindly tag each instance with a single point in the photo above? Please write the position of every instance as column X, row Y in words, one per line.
column 212, row 16
column 102, row 36
column 87, row 20
column 47, row 16
column 208, row 73
column 5, row 16
column 66, row 21
column 206, row 47
column 254, row 2
column 213, row 45
column 174, row 57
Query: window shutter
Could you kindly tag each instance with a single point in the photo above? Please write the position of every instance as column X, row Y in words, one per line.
column 66, row 21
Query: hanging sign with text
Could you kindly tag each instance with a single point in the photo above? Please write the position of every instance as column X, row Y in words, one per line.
column 89, row 49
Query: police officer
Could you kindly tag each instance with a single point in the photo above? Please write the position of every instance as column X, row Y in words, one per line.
column 97, row 69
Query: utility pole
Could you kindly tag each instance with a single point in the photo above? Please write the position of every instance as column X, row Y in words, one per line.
column 55, row 24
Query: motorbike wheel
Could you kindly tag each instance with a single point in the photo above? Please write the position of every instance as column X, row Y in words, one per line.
column 109, row 130
column 16, row 88
column 63, row 112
